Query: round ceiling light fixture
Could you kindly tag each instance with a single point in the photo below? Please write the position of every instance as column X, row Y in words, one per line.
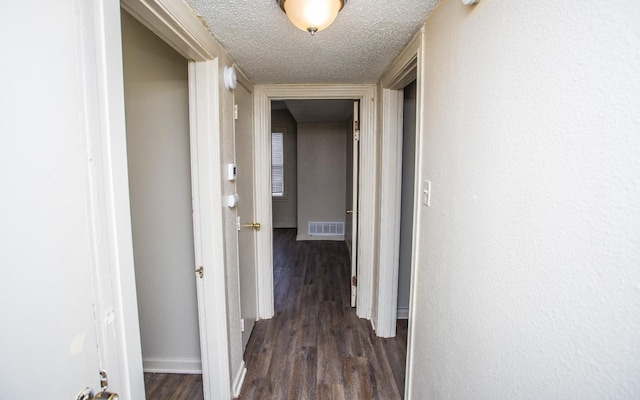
column 311, row 15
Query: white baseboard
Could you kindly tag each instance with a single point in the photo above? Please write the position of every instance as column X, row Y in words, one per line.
column 303, row 236
column 238, row 381
column 172, row 365
column 403, row 313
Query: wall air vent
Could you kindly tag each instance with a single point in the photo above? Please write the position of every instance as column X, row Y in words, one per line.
column 326, row 228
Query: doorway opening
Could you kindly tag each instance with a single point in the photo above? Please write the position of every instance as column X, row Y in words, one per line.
column 312, row 170
column 263, row 97
column 407, row 198
column 314, row 331
column 159, row 165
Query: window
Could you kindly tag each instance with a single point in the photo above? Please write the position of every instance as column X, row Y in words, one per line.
column 277, row 164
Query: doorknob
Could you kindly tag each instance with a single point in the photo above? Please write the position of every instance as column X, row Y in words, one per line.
column 254, row 225
column 87, row 394
column 349, row 211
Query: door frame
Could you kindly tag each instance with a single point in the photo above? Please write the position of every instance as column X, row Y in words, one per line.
column 402, row 72
column 409, row 64
column 112, row 267
column 263, row 95
column 173, row 22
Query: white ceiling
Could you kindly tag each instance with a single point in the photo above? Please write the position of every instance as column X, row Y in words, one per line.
column 357, row 48
column 313, row 111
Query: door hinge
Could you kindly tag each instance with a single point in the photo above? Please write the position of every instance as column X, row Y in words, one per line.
column 200, row 271
column 354, row 281
column 356, row 126
column 235, row 111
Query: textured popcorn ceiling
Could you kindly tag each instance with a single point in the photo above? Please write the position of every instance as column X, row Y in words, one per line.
column 357, row 48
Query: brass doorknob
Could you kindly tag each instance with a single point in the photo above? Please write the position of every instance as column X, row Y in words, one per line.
column 254, row 225
column 349, row 211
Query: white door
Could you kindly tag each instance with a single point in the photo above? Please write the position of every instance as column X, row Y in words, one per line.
column 353, row 236
column 48, row 339
column 248, row 227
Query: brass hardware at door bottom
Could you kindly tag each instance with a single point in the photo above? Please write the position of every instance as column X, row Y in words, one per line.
column 254, row 225
column 88, row 394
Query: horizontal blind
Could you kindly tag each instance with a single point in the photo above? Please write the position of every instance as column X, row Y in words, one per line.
column 277, row 164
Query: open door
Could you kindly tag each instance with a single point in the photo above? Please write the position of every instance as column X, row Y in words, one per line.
column 64, row 288
column 247, row 226
column 352, row 234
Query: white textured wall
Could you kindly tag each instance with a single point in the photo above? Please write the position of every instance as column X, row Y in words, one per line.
column 285, row 210
column 321, row 175
column 229, row 214
column 528, row 280
column 157, row 111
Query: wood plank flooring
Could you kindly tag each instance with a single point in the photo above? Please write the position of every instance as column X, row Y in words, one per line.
column 315, row 347
column 173, row 386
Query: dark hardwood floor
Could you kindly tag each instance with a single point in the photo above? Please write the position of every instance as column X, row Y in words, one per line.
column 173, row 386
column 315, row 347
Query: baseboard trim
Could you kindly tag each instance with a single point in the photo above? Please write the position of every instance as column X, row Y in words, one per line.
column 403, row 313
column 172, row 365
column 238, row 381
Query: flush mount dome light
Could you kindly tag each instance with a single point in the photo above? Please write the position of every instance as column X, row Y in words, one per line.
column 311, row 15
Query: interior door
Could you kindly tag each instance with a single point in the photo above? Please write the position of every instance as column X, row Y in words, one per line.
column 48, row 344
column 354, row 207
column 248, row 227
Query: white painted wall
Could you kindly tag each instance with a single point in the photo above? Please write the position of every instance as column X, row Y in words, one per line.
column 406, row 207
column 528, row 280
column 227, row 142
column 285, row 210
column 157, row 111
column 321, row 176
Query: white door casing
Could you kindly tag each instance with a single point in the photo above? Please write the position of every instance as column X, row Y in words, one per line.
column 263, row 94
column 401, row 72
column 208, row 235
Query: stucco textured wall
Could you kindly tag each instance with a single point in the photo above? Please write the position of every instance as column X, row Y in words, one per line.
column 528, row 278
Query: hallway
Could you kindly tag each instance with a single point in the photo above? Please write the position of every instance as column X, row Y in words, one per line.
column 315, row 347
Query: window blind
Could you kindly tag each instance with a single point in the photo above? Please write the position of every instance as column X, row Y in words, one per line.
column 277, row 164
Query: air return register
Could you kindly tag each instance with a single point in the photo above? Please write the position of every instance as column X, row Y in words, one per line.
column 326, row 228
